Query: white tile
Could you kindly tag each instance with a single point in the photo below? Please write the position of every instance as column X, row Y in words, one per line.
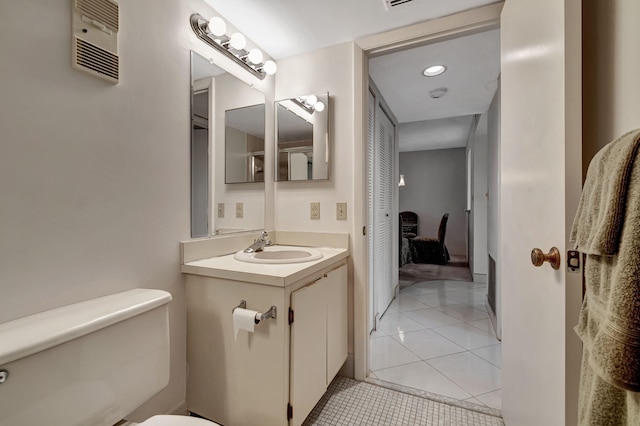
column 375, row 334
column 427, row 344
column 459, row 285
column 437, row 299
column 475, row 401
column 431, row 317
column 385, row 352
column 492, row 399
column 470, row 372
column 492, row 353
column 394, row 323
column 466, row 336
column 414, row 291
column 468, row 297
column 463, row 312
column 424, row 377
column 484, row 325
column 405, row 303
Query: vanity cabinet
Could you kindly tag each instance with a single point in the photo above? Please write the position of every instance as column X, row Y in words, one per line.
column 318, row 339
column 275, row 375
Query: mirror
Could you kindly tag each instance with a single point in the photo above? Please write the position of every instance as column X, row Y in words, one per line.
column 244, row 144
column 303, row 138
column 219, row 98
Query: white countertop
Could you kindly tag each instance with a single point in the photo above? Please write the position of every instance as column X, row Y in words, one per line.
column 280, row 275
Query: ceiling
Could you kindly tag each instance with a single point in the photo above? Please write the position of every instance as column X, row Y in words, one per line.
column 288, row 27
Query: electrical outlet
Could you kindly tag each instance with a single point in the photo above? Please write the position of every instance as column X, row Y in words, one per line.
column 220, row 210
column 315, row 210
column 239, row 210
column 341, row 211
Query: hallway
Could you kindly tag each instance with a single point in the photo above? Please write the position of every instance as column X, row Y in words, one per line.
column 437, row 337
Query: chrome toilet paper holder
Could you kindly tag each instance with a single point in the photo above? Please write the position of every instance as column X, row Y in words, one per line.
column 271, row 313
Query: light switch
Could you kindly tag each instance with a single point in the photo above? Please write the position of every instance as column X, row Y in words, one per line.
column 220, row 210
column 239, row 210
column 341, row 211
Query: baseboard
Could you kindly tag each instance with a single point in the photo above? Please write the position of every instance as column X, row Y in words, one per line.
column 348, row 368
column 480, row 278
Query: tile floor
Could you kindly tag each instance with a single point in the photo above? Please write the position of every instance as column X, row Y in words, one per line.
column 436, row 337
column 351, row 403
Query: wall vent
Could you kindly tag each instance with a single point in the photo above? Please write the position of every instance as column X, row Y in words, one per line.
column 390, row 4
column 95, row 38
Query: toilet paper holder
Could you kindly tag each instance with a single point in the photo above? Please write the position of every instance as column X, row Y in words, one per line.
column 271, row 313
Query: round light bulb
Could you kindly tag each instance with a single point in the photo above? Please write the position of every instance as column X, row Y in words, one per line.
column 311, row 100
column 255, row 56
column 217, row 26
column 270, row 67
column 319, row 106
column 238, row 41
column 434, row 70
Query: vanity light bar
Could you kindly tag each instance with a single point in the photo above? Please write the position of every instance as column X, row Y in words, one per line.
column 251, row 61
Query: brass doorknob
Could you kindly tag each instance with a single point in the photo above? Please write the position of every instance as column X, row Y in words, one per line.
column 553, row 257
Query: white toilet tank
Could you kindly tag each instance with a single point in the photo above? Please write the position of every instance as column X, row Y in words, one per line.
column 90, row 363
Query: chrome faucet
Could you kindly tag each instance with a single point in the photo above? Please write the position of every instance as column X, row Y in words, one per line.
column 259, row 244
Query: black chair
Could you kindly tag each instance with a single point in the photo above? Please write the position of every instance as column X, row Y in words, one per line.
column 431, row 250
column 409, row 224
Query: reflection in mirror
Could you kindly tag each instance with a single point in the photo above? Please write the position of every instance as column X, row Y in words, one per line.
column 218, row 208
column 244, row 144
column 303, row 138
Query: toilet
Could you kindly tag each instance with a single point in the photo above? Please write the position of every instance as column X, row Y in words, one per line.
column 89, row 363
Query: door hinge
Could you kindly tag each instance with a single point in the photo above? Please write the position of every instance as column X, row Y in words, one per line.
column 290, row 316
column 289, row 411
column 364, row 230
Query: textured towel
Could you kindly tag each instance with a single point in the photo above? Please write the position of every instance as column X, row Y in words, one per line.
column 607, row 228
column 598, row 223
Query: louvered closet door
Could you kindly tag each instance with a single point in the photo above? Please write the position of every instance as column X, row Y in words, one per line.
column 383, row 203
column 370, row 216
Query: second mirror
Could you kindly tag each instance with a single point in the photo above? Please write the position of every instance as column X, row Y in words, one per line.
column 303, row 138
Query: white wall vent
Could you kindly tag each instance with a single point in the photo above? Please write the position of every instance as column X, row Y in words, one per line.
column 95, row 38
column 390, row 4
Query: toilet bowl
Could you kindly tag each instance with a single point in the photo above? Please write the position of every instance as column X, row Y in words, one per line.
column 89, row 363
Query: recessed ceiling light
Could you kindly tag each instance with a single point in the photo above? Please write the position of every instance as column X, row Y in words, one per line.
column 434, row 70
column 438, row 93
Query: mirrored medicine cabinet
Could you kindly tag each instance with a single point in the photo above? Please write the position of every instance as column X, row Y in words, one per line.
column 227, row 149
column 302, row 136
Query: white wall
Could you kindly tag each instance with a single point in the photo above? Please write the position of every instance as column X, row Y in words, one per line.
column 94, row 177
column 610, row 75
column 324, row 70
column 493, row 202
column 436, row 184
column 479, row 207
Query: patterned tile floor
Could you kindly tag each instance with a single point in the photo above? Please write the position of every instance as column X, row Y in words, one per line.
column 436, row 337
column 351, row 403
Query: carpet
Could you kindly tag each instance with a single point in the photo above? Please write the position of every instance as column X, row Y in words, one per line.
column 455, row 270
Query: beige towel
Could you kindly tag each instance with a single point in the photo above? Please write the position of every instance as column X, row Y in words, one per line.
column 607, row 228
column 598, row 223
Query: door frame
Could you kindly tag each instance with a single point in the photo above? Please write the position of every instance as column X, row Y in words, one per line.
column 453, row 26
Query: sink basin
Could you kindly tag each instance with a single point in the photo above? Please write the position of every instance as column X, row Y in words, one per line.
column 280, row 254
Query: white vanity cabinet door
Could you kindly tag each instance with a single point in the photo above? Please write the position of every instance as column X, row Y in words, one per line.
column 336, row 284
column 308, row 349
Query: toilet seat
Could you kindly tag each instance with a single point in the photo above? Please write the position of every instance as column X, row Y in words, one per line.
column 168, row 420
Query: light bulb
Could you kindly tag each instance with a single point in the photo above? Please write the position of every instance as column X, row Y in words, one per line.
column 238, row 41
column 217, row 26
column 311, row 100
column 255, row 56
column 270, row 67
column 319, row 106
